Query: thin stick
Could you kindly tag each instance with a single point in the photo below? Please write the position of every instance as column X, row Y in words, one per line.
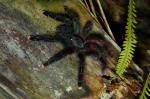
column 93, row 10
column 105, row 20
column 86, row 5
column 87, row 8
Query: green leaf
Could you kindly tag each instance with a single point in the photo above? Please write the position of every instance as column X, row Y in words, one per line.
column 146, row 89
column 126, row 54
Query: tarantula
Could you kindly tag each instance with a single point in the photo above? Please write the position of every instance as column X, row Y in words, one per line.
column 82, row 42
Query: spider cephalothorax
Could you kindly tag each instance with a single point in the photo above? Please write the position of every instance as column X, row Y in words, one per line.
column 82, row 42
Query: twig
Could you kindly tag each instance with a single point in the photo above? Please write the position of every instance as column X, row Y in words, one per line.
column 105, row 20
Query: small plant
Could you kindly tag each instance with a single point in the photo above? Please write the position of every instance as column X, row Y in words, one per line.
column 126, row 54
column 146, row 89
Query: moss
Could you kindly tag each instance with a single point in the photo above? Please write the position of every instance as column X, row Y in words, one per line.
column 34, row 10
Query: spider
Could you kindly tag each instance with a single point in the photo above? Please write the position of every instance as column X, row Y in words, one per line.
column 82, row 42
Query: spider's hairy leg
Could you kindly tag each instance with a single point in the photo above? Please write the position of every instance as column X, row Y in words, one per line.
column 57, row 16
column 64, row 29
column 74, row 17
column 69, row 17
column 71, row 13
column 45, row 38
column 61, row 54
column 81, row 70
column 87, row 28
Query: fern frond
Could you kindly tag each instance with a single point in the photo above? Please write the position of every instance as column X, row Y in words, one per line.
column 126, row 54
column 146, row 90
